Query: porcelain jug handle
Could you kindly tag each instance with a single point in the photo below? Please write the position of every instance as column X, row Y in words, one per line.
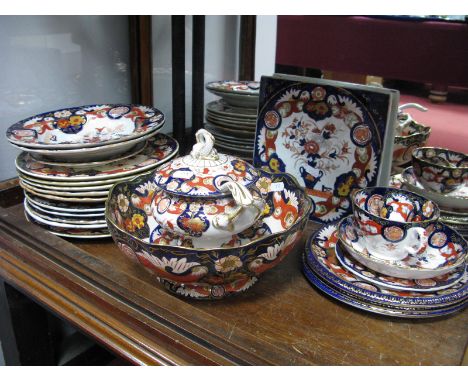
column 421, row 241
column 243, row 198
column 204, row 148
column 411, row 105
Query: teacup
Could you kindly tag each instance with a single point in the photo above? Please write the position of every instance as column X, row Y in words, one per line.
column 440, row 170
column 394, row 223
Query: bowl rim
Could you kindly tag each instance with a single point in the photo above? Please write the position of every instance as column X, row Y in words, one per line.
column 81, row 145
column 424, row 148
column 434, row 218
column 307, row 208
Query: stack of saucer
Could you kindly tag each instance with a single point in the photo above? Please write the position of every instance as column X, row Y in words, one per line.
column 232, row 119
column 72, row 157
column 442, row 176
column 393, row 257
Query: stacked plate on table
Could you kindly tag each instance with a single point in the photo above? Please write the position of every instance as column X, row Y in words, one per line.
column 410, row 276
column 232, row 119
column 72, row 157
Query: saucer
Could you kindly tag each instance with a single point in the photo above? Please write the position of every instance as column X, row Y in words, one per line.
column 457, row 199
column 446, row 251
column 321, row 259
column 421, row 285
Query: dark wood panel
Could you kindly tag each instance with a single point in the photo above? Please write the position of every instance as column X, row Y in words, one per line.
column 141, row 59
column 198, row 75
column 247, row 38
column 178, row 80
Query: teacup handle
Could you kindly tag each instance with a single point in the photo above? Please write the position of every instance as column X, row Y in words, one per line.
column 243, row 198
column 421, row 241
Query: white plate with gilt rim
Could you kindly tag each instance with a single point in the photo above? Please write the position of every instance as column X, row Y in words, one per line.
column 61, row 225
column 78, row 220
column 65, row 188
column 65, row 206
column 63, row 193
column 68, row 200
column 38, row 207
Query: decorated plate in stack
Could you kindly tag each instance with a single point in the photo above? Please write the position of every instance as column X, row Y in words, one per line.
column 393, row 257
column 232, row 119
column 72, row 157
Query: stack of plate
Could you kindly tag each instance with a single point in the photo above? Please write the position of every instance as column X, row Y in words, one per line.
column 453, row 206
column 328, row 265
column 232, row 119
column 72, row 157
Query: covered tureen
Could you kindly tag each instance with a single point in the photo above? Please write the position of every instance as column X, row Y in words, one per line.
column 206, row 196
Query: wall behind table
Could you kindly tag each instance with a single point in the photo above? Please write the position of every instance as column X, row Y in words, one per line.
column 50, row 62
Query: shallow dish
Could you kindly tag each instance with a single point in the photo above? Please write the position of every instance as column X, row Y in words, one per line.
column 215, row 272
column 457, row 199
column 440, row 170
column 321, row 258
column 160, row 149
column 85, row 126
column 446, row 251
column 138, row 148
column 388, row 282
column 88, row 153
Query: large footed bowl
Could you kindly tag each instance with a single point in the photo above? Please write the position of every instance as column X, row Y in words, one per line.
column 208, row 273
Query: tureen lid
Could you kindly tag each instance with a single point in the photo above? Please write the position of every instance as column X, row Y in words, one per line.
column 204, row 171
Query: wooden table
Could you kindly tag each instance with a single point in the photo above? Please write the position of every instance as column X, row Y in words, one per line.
column 281, row 320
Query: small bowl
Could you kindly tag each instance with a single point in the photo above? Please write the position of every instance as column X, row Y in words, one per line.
column 410, row 135
column 394, row 222
column 208, row 273
column 440, row 170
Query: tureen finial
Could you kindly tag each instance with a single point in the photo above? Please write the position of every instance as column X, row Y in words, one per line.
column 204, row 149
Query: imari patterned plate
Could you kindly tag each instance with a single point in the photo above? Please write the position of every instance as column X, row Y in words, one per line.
column 64, row 207
column 388, row 282
column 160, row 149
column 457, row 199
column 85, row 126
column 50, row 212
column 75, row 220
column 377, row 309
column 332, row 137
column 235, row 87
column 321, row 258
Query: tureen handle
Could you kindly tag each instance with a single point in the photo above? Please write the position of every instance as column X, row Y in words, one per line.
column 243, row 198
column 204, row 149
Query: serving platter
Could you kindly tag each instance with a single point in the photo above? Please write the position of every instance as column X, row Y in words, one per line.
column 85, row 126
column 159, row 150
column 332, row 137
